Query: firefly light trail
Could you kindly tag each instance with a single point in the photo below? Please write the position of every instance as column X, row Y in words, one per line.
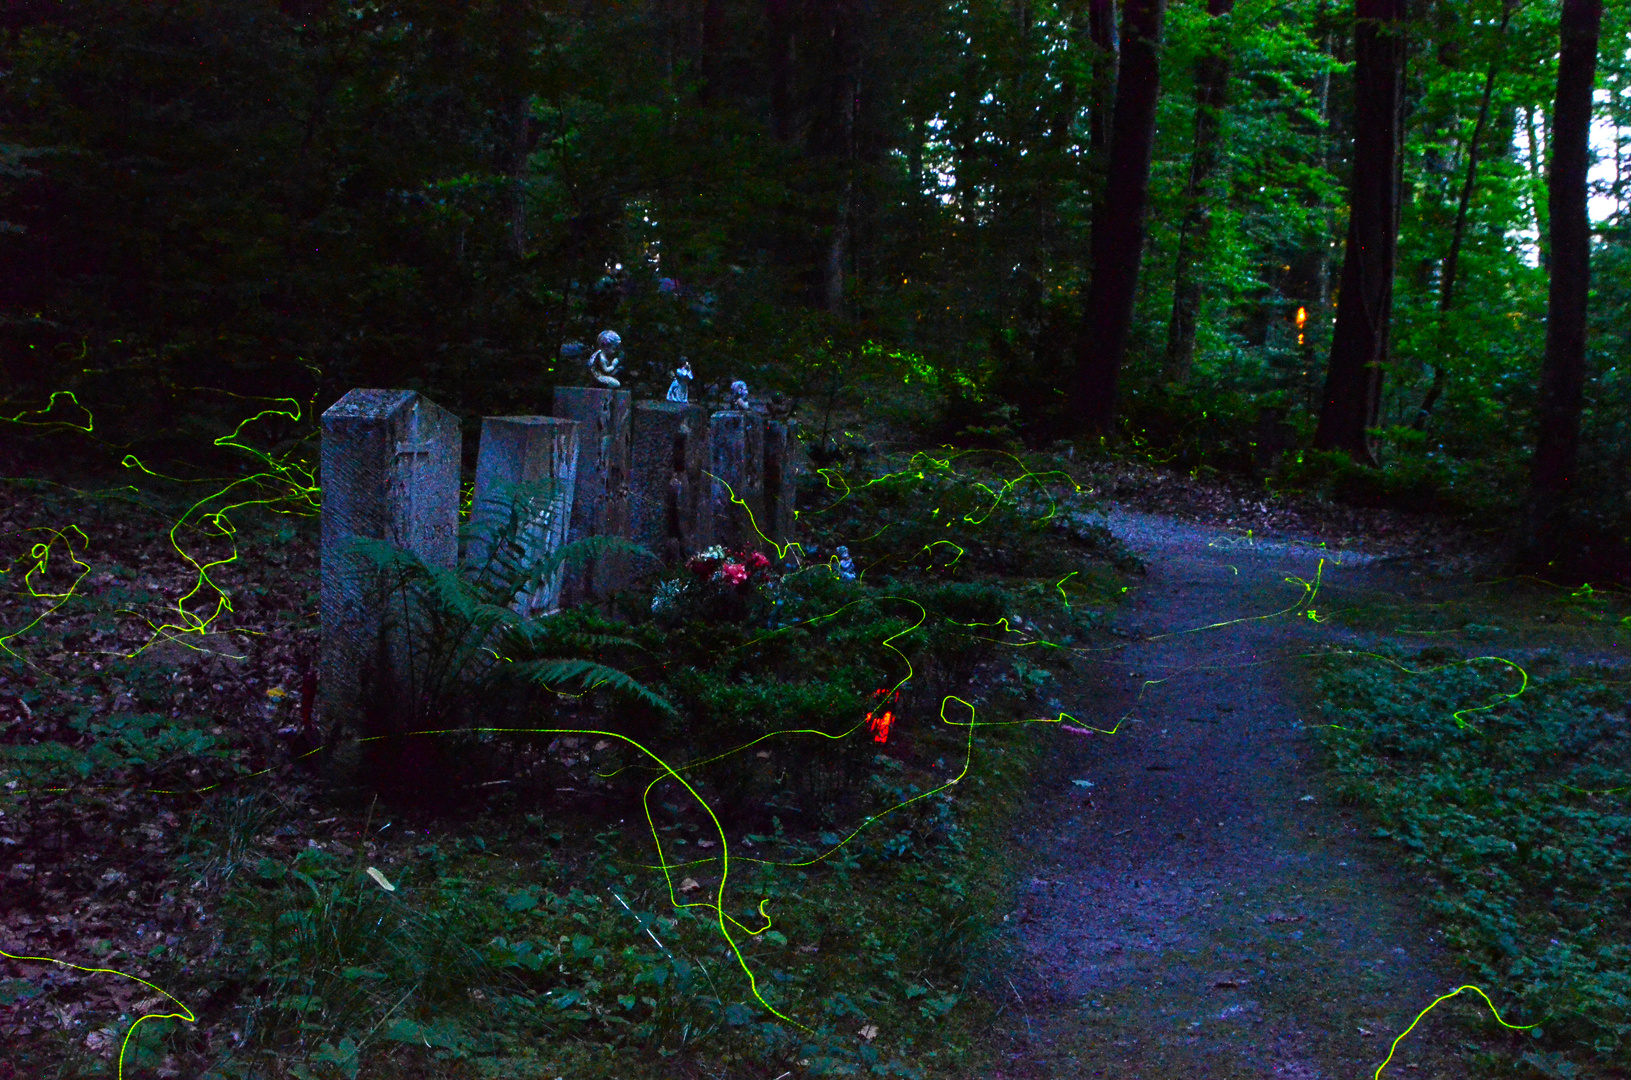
column 289, row 487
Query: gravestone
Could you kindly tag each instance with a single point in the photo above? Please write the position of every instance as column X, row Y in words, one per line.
column 390, row 471
column 527, row 450
column 736, row 457
column 781, row 476
column 600, row 496
column 665, row 478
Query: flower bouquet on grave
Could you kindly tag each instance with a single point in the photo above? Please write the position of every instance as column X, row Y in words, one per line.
column 718, row 586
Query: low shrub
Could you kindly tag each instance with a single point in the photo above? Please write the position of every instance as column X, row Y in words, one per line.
column 1516, row 807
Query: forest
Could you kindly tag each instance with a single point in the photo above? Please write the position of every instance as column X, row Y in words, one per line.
column 256, row 198
column 1025, row 279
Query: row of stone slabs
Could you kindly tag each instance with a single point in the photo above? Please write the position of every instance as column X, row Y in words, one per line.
column 639, row 470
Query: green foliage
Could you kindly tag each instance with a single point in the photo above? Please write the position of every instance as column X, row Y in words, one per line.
column 460, row 629
column 574, row 964
column 241, row 194
column 1519, row 817
column 932, row 517
column 1413, row 478
column 157, row 744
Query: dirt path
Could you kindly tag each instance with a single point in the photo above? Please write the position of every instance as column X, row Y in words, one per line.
column 1193, row 913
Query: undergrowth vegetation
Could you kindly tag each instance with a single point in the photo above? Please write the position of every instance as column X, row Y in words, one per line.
column 1515, row 806
column 732, row 817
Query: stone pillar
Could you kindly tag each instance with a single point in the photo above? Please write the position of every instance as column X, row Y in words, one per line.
column 736, row 456
column 390, row 471
column 781, row 475
column 600, row 499
column 527, row 450
column 665, row 477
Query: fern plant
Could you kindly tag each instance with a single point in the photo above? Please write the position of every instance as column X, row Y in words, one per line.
column 459, row 643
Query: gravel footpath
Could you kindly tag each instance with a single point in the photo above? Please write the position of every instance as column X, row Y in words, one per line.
column 1197, row 905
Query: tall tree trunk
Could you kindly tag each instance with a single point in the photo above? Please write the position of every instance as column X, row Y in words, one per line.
column 1194, row 234
column 1359, row 342
column 1322, row 265
column 779, row 27
column 518, row 135
column 1452, row 260
column 713, row 44
column 1563, row 372
column 1101, row 29
column 1118, row 222
column 523, row 138
column 847, row 88
column 914, row 160
column 1537, row 185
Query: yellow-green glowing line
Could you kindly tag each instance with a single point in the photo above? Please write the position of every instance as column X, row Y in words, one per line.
column 301, row 489
column 185, row 1014
column 923, row 459
column 737, row 500
column 40, row 553
column 52, row 404
column 888, row 643
column 1310, row 592
column 1438, row 1001
column 1460, row 715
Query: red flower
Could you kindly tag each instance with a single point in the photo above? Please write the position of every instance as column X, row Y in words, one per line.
column 735, row 573
column 756, row 560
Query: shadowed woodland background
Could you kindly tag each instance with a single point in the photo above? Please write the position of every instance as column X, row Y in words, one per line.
column 852, row 203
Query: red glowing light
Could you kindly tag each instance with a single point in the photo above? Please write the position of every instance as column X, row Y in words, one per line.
column 879, row 722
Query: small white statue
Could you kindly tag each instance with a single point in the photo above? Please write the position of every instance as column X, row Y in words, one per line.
column 739, row 396
column 603, row 362
column 680, row 389
column 846, row 568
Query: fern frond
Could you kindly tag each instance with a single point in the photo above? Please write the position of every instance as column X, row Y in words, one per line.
column 590, row 675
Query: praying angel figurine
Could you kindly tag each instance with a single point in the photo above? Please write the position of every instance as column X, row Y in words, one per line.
column 603, row 363
column 680, row 389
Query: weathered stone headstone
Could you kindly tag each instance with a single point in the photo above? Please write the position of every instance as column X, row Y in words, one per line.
column 781, row 476
column 390, row 471
column 600, row 498
column 665, row 477
column 528, row 450
column 736, row 457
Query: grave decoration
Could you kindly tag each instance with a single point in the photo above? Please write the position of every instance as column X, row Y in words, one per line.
column 526, row 469
column 600, row 497
column 390, row 473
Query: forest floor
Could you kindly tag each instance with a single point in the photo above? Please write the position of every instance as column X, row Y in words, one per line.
column 1194, row 901
column 1198, row 903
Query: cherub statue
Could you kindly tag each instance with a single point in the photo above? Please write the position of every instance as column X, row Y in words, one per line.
column 680, row 389
column 739, row 396
column 603, row 362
